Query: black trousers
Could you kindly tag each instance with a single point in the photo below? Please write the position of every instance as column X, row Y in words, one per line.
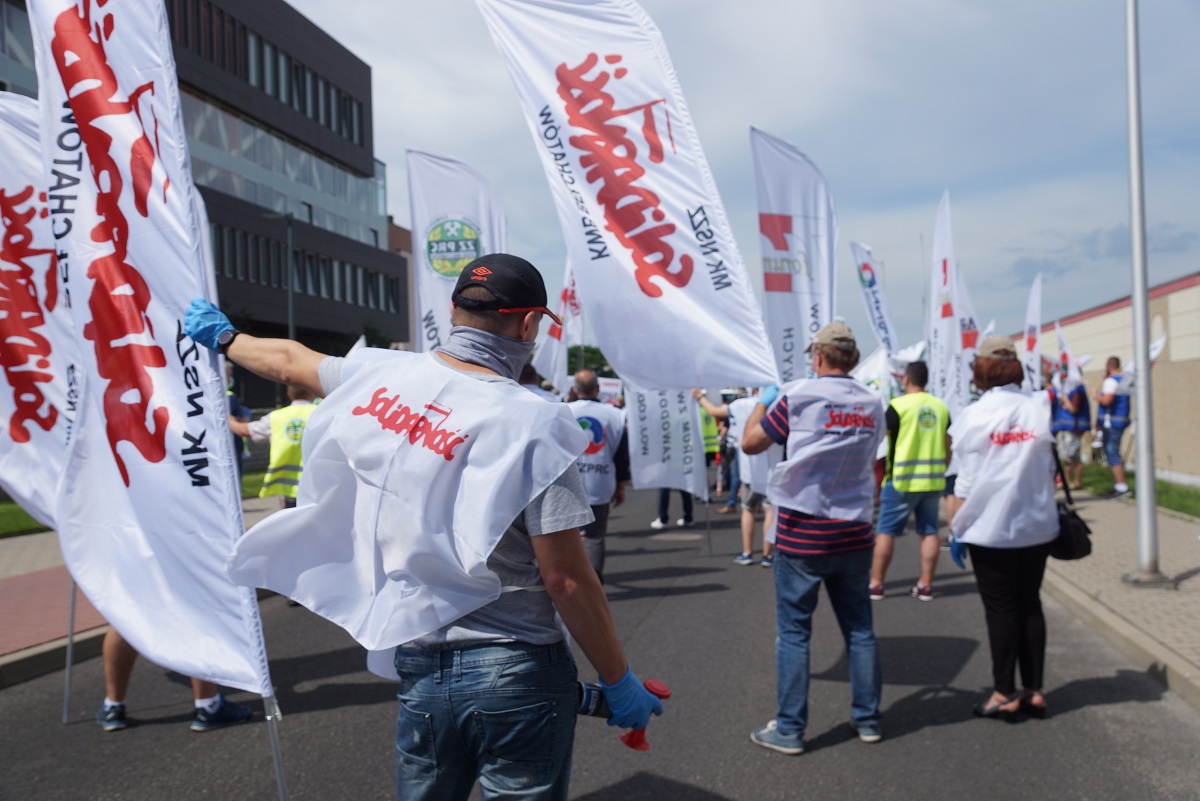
column 1010, row 583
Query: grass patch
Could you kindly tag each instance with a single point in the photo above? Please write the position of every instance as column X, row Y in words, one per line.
column 15, row 521
column 1176, row 497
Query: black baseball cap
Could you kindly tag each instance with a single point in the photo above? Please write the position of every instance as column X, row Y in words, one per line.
column 516, row 284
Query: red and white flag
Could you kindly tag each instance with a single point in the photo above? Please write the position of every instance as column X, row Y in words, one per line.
column 659, row 274
column 456, row 217
column 550, row 359
column 1031, row 354
column 799, row 249
column 38, row 352
column 874, row 299
column 952, row 335
column 150, row 508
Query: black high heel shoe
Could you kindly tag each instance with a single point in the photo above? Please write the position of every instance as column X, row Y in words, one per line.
column 995, row 711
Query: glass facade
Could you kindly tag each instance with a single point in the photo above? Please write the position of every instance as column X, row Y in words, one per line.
column 239, row 157
column 16, row 49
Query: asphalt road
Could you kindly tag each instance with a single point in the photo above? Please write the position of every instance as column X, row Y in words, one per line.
column 690, row 617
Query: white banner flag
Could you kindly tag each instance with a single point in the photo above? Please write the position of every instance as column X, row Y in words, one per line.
column 550, row 359
column 38, row 350
column 455, row 219
column 1129, row 369
column 659, row 275
column 952, row 330
column 1068, row 373
column 666, row 445
column 798, row 227
column 1031, row 355
column 150, row 507
column 874, row 299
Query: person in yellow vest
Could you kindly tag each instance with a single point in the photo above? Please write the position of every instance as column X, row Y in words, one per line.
column 712, row 440
column 918, row 454
column 284, row 428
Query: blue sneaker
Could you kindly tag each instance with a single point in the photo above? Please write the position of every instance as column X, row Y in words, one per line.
column 869, row 731
column 767, row 561
column 226, row 715
column 743, row 559
column 112, row 719
column 770, row 736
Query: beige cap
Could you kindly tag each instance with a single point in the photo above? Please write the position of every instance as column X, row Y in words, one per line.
column 1000, row 348
column 837, row 334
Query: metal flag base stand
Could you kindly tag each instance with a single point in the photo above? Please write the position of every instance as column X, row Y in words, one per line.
column 271, row 707
column 70, row 658
column 1153, row 579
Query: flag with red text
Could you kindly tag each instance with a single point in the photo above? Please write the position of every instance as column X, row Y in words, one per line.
column 874, row 299
column 1031, row 353
column 150, row 507
column 659, row 274
column 456, row 218
column 39, row 391
column 952, row 334
column 798, row 225
column 554, row 341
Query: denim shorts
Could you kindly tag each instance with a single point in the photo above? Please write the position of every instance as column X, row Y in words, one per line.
column 1112, row 446
column 896, row 506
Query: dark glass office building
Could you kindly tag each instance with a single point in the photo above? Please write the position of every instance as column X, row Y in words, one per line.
column 278, row 118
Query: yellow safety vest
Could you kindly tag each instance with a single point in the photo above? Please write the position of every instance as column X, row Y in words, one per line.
column 287, row 431
column 712, row 437
column 920, row 452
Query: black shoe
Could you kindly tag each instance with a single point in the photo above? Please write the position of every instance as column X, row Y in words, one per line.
column 112, row 719
column 1033, row 710
column 226, row 715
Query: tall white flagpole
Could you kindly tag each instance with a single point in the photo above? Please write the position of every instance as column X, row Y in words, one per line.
column 1147, row 497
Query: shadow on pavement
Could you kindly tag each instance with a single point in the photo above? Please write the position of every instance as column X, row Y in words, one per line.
column 1126, row 685
column 648, row 787
column 913, row 660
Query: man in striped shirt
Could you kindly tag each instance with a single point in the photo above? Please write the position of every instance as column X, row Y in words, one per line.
column 824, row 496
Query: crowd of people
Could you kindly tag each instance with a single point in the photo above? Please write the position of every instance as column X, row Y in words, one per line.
column 798, row 460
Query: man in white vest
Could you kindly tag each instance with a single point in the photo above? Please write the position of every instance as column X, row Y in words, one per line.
column 438, row 523
column 824, row 496
column 604, row 464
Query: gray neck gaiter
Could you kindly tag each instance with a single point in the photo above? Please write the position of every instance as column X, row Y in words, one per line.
column 503, row 354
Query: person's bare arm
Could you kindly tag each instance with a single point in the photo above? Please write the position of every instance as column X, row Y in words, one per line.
column 576, row 592
column 239, row 427
column 280, row 360
column 754, row 438
column 718, row 412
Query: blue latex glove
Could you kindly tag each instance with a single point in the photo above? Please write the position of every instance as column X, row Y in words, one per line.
column 958, row 552
column 768, row 395
column 630, row 702
column 204, row 323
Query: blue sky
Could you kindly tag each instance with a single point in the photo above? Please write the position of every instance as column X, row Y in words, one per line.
column 1019, row 108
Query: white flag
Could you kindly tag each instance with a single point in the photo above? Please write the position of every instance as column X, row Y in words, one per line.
column 550, row 359
column 150, row 507
column 1068, row 373
column 666, row 445
column 798, row 225
column 1129, row 369
column 455, row 219
column 945, row 336
column 1031, row 356
column 659, row 275
column 968, row 338
column 38, row 351
column 874, row 299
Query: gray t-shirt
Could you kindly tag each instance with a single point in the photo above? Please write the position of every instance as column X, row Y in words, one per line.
column 518, row 615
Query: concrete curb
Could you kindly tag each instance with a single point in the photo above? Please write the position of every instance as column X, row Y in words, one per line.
column 30, row 663
column 1175, row 672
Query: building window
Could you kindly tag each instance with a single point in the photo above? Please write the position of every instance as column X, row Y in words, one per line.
column 276, row 270
column 218, row 37
column 326, row 278
column 252, row 266
column 214, row 246
column 228, row 257
column 285, row 72
column 298, row 96
column 265, row 247
column 242, row 256
column 311, row 278
column 254, row 62
column 18, row 38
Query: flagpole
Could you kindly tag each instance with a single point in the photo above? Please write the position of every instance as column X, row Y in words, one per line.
column 271, row 705
column 70, row 657
column 1147, row 573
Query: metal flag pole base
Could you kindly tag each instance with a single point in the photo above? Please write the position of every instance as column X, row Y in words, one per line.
column 271, row 705
column 1152, row 579
column 70, row 658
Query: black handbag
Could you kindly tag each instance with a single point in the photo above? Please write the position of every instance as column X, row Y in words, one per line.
column 1074, row 540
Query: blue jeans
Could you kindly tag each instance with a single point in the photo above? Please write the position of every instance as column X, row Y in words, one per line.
column 797, row 587
column 503, row 714
column 1112, row 446
column 735, row 481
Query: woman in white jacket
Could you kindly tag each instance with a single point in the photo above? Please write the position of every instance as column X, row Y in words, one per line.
column 1005, row 516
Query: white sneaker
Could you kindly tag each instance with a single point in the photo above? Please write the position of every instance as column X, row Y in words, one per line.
column 657, row 524
column 683, row 522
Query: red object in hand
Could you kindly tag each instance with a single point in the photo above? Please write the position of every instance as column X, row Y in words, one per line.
column 636, row 738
